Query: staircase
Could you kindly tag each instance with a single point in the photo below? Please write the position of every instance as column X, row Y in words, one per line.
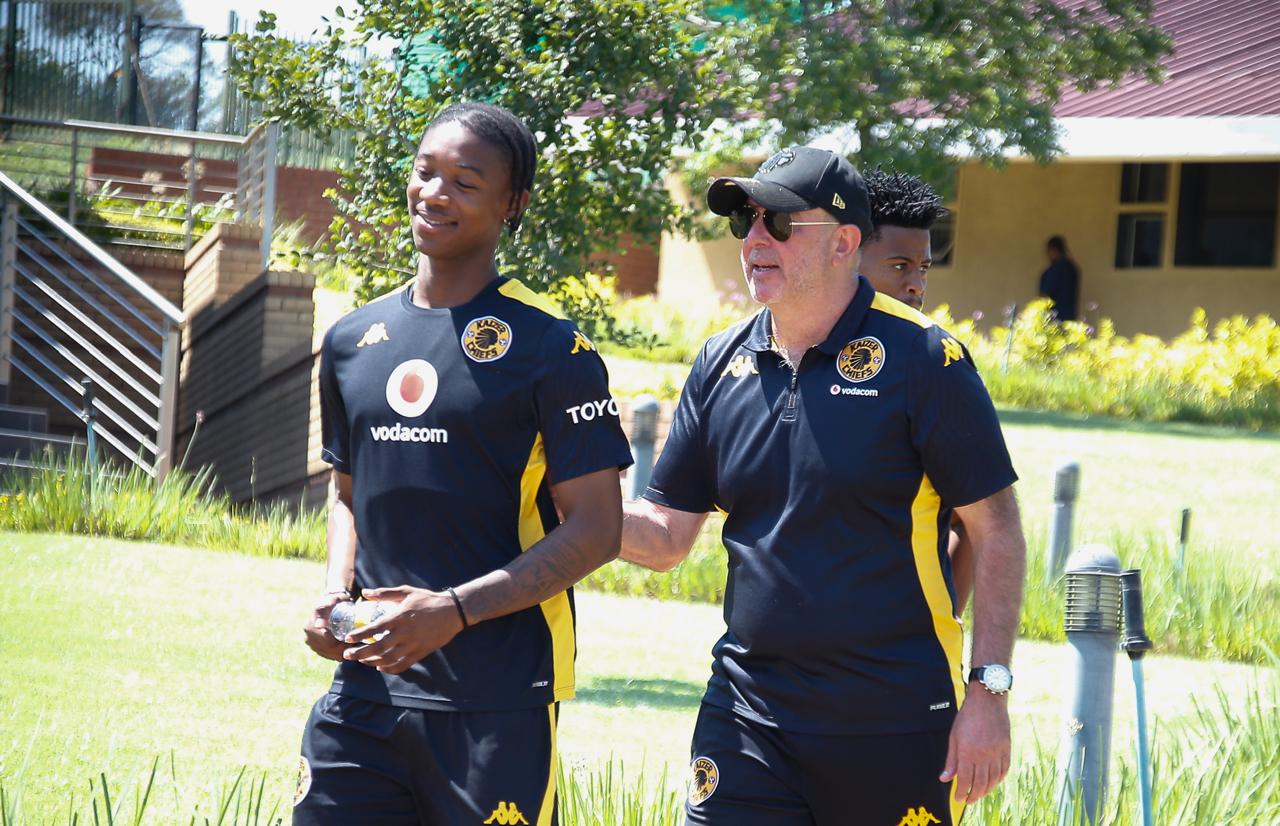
column 70, row 312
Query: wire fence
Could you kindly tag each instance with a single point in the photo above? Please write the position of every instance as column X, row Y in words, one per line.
column 100, row 60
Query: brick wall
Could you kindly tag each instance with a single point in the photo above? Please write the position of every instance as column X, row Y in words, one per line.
column 300, row 195
column 299, row 191
column 635, row 265
column 249, row 368
column 157, row 175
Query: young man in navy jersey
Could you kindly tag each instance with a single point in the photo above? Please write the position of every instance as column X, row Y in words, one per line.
column 462, row 416
column 896, row 258
column 838, row 429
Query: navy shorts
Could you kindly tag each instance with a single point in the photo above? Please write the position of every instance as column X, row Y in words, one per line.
column 368, row 763
column 747, row 774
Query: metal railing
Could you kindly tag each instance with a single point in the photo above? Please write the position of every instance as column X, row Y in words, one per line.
column 133, row 185
column 69, row 311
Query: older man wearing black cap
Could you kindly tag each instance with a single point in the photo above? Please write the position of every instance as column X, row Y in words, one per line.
column 838, row 430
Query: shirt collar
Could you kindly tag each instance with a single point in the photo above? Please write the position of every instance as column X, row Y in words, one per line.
column 760, row 336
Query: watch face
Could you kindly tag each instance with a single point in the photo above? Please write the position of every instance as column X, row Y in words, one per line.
column 997, row 678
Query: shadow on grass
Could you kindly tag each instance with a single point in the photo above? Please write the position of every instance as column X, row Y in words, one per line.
column 1084, row 421
column 620, row 691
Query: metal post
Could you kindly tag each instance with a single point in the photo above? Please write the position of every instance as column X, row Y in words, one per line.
column 644, row 434
column 75, row 164
column 127, row 90
column 1136, row 644
column 1184, row 533
column 8, row 275
column 90, row 416
column 1008, row 342
column 189, row 225
column 229, row 87
column 1066, row 488
column 168, row 413
column 1092, row 622
column 272, row 139
column 10, row 64
column 194, row 120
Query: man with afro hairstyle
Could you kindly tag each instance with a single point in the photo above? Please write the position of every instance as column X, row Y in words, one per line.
column 896, row 258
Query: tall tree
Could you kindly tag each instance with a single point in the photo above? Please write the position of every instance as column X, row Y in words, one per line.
column 610, row 89
column 915, row 81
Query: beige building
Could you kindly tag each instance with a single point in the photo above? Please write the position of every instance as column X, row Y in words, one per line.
column 1167, row 195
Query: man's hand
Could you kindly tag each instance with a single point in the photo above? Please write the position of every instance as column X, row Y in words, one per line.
column 417, row 623
column 316, row 630
column 978, row 752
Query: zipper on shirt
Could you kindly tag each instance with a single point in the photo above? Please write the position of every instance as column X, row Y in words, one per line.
column 792, row 407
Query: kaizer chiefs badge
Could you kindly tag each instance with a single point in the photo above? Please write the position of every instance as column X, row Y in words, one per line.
column 706, row 776
column 486, row 339
column 861, row 359
column 304, row 781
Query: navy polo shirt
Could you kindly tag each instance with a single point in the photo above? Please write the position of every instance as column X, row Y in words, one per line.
column 452, row 424
column 838, row 481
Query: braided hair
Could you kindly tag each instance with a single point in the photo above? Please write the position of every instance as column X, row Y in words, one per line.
column 506, row 132
column 901, row 200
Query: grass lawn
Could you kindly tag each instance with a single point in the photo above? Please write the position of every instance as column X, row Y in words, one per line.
column 115, row 652
column 1136, row 477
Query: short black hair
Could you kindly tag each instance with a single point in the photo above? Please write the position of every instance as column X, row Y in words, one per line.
column 1058, row 244
column 502, row 129
column 901, row 200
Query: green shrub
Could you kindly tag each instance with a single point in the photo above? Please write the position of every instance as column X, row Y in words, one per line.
column 1229, row 375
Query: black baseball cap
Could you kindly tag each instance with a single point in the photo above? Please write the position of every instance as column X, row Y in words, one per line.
column 798, row 178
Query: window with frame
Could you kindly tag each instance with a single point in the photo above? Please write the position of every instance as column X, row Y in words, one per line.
column 1227, row 215
column 942, row 239
column 1144, row 212
column 942, row 235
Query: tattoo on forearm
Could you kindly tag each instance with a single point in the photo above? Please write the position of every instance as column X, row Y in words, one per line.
column 544, row 570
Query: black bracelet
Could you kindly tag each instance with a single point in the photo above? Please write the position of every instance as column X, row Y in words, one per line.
column 457, row 603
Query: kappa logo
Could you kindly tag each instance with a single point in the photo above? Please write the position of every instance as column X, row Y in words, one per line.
column 581, row 343
column 861, row 359
column 740, row 366
column 376, row 334
column 837, row 201
column 782, row 158
column 918, row 817
column 412, row 387
column 706, row 776
column 303, row 784
column 486, row 339
column 507, row 814
column 951, row 351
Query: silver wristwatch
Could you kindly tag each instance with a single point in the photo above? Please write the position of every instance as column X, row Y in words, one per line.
column 996, row 678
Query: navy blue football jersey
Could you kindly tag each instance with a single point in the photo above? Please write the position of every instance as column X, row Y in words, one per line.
column 453, row 423
column 838, row 481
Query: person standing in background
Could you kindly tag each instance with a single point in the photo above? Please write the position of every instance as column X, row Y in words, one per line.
column 1060, row 282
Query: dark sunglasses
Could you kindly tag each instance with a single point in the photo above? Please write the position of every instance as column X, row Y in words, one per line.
column 778, row 224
